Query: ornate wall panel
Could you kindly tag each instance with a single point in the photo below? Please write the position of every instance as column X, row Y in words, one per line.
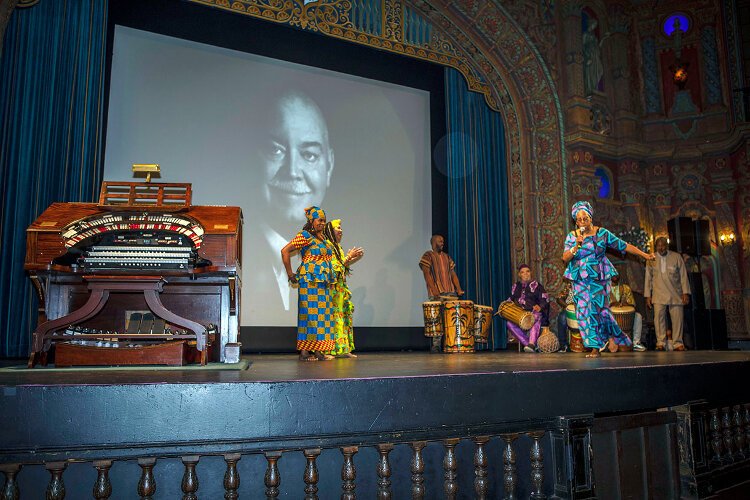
column 498, row 58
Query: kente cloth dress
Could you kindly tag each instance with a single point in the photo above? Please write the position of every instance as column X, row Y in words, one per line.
column 315, row 311
column 526, row 296
column 343, row 308
column 590, row 272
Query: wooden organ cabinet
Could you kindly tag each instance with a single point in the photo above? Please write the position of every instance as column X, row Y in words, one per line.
column 142, row 277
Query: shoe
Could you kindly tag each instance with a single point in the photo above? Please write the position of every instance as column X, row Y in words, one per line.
column 679, row 347
column 639, row 347
column 528, row 349
column 659, row 348
column 563, row 349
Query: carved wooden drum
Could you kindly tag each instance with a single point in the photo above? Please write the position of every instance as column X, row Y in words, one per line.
column 516, row 314
column 458, row 321
column 482, row 323
column 433, row 321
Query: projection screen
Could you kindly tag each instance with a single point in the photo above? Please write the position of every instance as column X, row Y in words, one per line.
column 273, row 137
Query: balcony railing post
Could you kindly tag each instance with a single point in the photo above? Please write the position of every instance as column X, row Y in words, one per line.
column 56, row 486
column 348, row 473
column 509, row 466
column 272, row 479
column 384, row 471
column 11, row 490
column 450, row 466
column 190, row 482
column 311, row 474
column 102, row 486
column 147, row 483
column 231, row 476
column 480, row 467
column 417, row 470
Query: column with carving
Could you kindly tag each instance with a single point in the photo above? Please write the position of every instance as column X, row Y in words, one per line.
column 576, row 107
column 724, row 191
column 618, row 47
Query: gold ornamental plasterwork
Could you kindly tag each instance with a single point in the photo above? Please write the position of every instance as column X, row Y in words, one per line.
column 332, row 18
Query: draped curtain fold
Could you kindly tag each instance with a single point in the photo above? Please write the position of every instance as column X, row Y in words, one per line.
column 51, row 111
column 478, row 210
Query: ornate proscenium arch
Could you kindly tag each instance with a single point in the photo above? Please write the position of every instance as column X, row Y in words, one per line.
column 497, row 58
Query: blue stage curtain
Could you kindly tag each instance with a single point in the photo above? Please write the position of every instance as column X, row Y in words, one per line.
column 478, row 209
column 51, row 107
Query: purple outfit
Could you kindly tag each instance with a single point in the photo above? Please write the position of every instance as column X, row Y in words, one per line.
column 528, row 295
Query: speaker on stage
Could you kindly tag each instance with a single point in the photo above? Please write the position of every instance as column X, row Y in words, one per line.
column 702, row 237
column 697, row 297
column 717, row 321
column 682, row 235
column 696, row 334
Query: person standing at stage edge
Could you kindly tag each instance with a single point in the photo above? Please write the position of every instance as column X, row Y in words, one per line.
column 590, row 271
column 315, row 278
column 667, row 286
column 440, row 276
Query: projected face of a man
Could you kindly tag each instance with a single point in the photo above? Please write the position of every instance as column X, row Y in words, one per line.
column 296, row 157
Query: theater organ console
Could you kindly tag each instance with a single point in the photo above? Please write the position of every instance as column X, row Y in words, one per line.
column 142, row 277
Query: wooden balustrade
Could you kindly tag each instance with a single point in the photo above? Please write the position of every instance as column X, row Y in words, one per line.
column 720, row 434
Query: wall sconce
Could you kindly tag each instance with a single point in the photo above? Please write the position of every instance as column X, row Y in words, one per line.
column 727, row 238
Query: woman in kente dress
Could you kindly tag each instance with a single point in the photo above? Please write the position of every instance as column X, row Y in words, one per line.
column 590, row 271
column 315, row 278
column 343, row 308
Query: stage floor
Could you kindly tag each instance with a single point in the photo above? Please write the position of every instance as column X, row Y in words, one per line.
column 381, row 365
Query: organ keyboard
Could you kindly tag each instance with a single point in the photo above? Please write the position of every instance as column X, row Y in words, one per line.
column 142, row 250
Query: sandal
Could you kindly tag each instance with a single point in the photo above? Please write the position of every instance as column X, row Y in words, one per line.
column 322, row 357
column 309, row 357
column 593, row 354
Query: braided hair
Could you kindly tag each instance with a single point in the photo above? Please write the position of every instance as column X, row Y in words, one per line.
column 330, row 235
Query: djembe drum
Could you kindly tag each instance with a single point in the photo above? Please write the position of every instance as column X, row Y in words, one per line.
column 433, row 321
column 482, row 323
column 576, row 341
column 458, row 322
column 624, row 315
column 516, row 314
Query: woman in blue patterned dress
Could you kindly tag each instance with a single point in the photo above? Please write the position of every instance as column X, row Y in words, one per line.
column 315, row 277
column 590, row 271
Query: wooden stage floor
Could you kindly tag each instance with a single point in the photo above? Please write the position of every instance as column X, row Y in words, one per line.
column 369, row 365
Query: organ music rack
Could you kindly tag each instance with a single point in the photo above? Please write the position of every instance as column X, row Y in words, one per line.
column 144, row 248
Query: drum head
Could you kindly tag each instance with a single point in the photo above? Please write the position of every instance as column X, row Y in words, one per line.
column 622, row 309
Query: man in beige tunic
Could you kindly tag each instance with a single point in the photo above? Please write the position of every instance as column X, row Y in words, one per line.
column 667, row 286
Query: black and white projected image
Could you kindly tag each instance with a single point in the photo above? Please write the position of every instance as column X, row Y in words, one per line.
column 273, row 138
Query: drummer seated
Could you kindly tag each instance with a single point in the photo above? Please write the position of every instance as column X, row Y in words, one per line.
column 529, row 295
column 621, row 295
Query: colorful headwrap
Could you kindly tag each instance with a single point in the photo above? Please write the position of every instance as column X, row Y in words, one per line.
column 522, row 266
column 336, row 224
column 582, row 205
column 313, row 213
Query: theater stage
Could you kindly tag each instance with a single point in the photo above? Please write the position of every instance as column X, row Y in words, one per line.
column 279, row 403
